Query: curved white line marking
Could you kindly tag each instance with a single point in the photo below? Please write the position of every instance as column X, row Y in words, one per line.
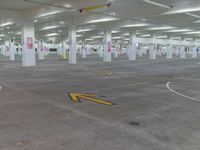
column 191, row 98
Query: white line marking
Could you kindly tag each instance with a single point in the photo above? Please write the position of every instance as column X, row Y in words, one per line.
column 191, row 98
column 0, row 87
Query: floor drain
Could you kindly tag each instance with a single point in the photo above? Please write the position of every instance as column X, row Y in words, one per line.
column 132, row 123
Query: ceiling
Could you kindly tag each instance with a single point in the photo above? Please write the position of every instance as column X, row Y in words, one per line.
column 148, row 17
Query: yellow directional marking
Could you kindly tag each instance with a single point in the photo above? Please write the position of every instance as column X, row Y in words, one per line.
column 77, row 96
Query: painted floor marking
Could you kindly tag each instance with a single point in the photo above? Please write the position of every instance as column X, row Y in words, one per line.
column 77, row 96
column 170, row 89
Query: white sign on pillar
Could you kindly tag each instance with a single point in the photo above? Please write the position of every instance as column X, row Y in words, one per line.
column 72, row 44
column 28, row 44
column 132, row 47
column 107, row 46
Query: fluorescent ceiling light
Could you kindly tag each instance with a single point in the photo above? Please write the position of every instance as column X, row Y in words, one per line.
column 50, row 13
column 2, row 35
column 62, row 22
column 52, row 34
column 115, row 31
column 117, row 37
column 179, row 30
column 162, row 37
column 84, row 30
column 49, row 27
column 5, row 24
column 185, row 10
column 134, row 25
column 97, row 37
column 101, row 20
column 195, row 32
column 160, row 28
column 146, row 35
column 89, row 39
column 157, row 4
column 79, row 36
column 18, row 33
column 193, row 15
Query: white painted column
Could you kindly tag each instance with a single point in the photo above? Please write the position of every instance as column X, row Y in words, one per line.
column 28, row 46
column 194, row 52
column 83, row 50
column 182, row 51
column 41, row 53
column 107, row 45
column 100, row 50
column 169, row 51
column 152, row 54
column 132, row 46
column 12, row 50
column 72, row 44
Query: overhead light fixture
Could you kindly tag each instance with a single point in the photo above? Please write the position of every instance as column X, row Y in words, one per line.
column 160, row 28
column 102, row 20
column 146, row 35
column 117, row 37
column 35, row 20
column 134, row 25
column 79, row 36
column 195, row 32
column 97, row 37
column 157, row 4
column 49, row 27
column 50, row 13
column 184, row 10
column 2, row 35
column 83, row 30
column 62, row 22
column 162, row 37
column 52, row 34
column 89, row 39
column 6, row 24
column 179, row 30
column 115, row 31
column 193, row 15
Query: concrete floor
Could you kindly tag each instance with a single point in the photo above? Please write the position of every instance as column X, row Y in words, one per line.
column 37, row 114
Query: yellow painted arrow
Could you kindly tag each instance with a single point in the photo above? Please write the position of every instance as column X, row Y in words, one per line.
column 77, row 96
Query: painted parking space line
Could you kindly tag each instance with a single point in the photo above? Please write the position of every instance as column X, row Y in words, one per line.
column 0, row 87
column 180, row 94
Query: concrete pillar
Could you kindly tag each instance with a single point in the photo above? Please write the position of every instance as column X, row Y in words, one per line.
column 41, row 53
column 169, row 52
column 83, row 50
column 152, row 53
column 182, row 52
column 194, row 52
column 132, row 46
column 100, row 50
column 72, row 44
column 28, row 46
column 12, row 50
column 107, row 45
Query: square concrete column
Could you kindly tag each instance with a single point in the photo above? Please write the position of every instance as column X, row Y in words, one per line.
column 194, row 52
column 107, row 45
column 132, row 46
column 28, row 44
column 182, row 52
column 12, row 50
column 72, row 44
column 40, row 51
column 152, row 52
column 169, row 51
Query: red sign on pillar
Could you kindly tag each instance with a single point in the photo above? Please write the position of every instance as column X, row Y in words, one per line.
column 29, row 42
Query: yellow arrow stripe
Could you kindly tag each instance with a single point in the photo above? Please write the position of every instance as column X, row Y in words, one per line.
column 94, row 7
column 96, row 100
